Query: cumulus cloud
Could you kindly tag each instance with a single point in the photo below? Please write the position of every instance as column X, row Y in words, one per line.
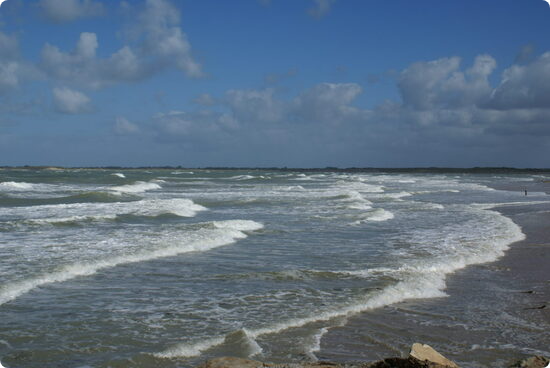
column 445, row 108
column 524, row 86
column 441, row 84
column 158, row 44
column 10, row 66
column 259, row 115
column 254, row 106
column 320, row 8
column 159, row 27
column 69, row 101
column 327, row 102
column 69, row 10
column 124, row 127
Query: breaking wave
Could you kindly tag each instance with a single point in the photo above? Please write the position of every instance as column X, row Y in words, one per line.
column 137, row 187
column 421, row 280
column 71, row 212
column 204, row 239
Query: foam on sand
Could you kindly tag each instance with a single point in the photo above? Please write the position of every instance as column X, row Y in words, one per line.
column 167, row 245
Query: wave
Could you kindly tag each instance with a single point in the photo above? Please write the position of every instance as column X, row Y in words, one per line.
column 415, row 281
column 315, row 345
column 397, row 195
column 120, row 175
column 378, row 215
column 74, row 212
column 21, row 186
column 137, row 187
column 246, row 177
column 12, row 185
column 353, row 198
column 204, row 239
column 84, row 197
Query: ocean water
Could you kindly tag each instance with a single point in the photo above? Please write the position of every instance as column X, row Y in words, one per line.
column 166, row 268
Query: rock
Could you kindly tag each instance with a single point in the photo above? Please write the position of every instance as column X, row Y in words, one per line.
column 427, row 354
column 533, row 362
column 231, row 362
column 409, row 362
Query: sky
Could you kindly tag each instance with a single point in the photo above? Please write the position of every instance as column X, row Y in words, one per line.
column 265, row 83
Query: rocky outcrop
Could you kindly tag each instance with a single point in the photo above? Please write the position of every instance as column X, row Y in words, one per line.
column 425, row 353
column 533, row 362
column 420, row 356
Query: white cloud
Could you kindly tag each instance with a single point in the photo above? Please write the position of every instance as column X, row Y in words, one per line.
column 9, row 75
column 440, row 83
column 124, row 127
column 9, row 47
column 158, row 25
column 69, row 101
column 327, row 102
column 320, row 8
column 9, row 62
column 68, row 10
column 524, row 86
column 159, row 44
column 254, row 106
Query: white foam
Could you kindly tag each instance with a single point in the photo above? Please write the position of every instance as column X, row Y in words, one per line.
column 101, row 211
column 12, row 185
column 397, row 195
column 243, row 177
column 240, row 225
column 493, row 205
column 417, row 281
column 137, row 187
column 190, row 350
column 120, row 175
column 378, row 215
column 227, row 232
column 316, row 343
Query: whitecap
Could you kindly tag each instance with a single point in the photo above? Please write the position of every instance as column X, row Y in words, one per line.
column 137, row 187
column 422, row 280
column 226, row 232
column 12, row 185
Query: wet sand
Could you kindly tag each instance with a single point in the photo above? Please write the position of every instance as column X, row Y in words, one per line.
column 495, row 314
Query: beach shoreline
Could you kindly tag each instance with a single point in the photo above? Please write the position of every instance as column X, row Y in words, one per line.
column 514, row 289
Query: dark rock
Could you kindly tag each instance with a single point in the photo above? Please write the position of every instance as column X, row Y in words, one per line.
column 532, row 362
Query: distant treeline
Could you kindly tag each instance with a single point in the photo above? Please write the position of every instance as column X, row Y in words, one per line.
column 427, row 170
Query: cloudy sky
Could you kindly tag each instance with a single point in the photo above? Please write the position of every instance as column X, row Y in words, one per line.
column 297, row 83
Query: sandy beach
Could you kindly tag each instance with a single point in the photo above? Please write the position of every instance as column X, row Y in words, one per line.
column 497, row 303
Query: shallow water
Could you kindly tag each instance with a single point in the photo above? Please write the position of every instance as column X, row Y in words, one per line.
column 102, row 268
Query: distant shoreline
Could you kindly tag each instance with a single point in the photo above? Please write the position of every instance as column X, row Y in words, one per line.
column 428, row 170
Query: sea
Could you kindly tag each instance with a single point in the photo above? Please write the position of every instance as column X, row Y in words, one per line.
column 169, row 267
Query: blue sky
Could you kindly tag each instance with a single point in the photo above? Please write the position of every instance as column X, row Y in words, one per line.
column 297, row 83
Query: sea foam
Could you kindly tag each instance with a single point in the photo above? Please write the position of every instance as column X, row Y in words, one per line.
column 137, row 187
column 198, row 241
column 421, row 280
column 70, row 212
